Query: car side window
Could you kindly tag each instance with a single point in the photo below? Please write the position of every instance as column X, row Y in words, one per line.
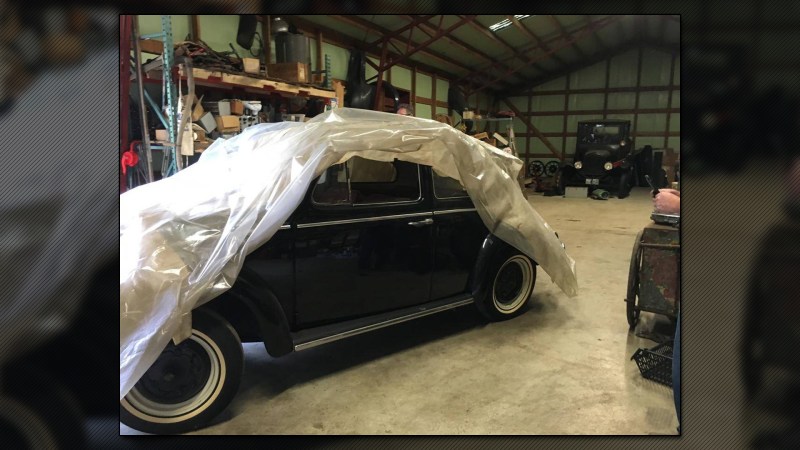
column 446, row 187
column 331, row 188
column 374, row 182
column 363, row 181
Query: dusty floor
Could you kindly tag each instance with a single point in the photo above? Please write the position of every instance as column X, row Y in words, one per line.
column 562, row 368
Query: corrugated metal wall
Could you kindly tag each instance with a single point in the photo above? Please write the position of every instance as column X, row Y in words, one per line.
column 642, row 86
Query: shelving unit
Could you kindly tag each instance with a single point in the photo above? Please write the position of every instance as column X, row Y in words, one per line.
column 253, row 85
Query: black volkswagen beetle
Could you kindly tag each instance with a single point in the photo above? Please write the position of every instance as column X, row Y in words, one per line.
column 371, row 245
column 603, row 158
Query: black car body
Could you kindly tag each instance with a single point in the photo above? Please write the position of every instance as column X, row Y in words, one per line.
column 371, row 245
column 603, row 158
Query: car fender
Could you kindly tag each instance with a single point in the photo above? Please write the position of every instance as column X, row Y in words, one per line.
column 491, row 245
column 252, row 292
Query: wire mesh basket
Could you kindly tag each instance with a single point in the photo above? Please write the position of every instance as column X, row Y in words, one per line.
column 655, row 363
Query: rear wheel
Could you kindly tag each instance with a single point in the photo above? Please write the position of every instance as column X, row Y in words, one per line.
column 190, row 383
column 509, row 284
column 631, row 310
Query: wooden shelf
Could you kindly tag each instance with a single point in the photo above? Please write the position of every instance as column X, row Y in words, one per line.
column 222, row 80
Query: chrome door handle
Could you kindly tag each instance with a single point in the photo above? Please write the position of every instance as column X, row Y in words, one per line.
column 421, row 223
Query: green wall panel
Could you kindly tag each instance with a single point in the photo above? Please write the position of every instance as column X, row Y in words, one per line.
column 676, row 99
column 149, row 24
column 655, row 68
column 219, row 31
column 548, row 124
column 652, row 122
column 441, row 89
column 537, row 146
column 623, row 70
column 675, row 122
column 423, row 111
column 570, row 149
column 401, row 77
column 559, row 84
column 586, row 101
column 424, row 83
column 547, row 103
column 589, row 78
column 521, row 103
column 339, row 58
column 674, row 142
column 657, row 99
column 622, row 117
column 572, row 121
column 622, row 100
column 655, row 142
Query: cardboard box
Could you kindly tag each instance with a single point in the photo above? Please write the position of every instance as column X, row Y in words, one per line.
column 294, row 72
column 236, row 107
column 197, row 112
column 227, row 124
column 220, row 108
column 251, row 65
column 162, row 135
column 208, row 122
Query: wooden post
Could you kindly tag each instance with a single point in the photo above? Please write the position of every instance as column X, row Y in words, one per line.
column 433, row 97
column 413, row 100
column 638, row 85
column 195, row 27
column 669, row 99
column 320, row 66
column 566, row 118
column 528, row 135
column 605, row 93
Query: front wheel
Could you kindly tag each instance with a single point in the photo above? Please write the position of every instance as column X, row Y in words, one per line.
column 509, row 284
column 190, row 383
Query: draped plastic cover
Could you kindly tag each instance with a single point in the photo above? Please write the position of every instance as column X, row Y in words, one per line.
column 183, row 239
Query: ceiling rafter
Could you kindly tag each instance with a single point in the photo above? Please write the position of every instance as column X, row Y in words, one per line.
column 433, row 39
column 496, row 38
column 577, row 35
column 459, row 43
column 600, row 43
column 563, row 32
column 346, row 41
column 520, row 26
column 370, row 26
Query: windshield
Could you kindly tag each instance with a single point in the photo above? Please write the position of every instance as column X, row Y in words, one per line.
column 599, row 133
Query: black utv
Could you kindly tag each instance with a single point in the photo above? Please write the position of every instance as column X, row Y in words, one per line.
column 604, row 158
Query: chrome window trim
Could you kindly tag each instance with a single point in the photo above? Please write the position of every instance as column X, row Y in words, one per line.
column 357, row 205
column 285, row 227
column 362, row 220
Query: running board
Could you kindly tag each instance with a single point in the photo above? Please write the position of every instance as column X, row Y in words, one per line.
column 313, row 337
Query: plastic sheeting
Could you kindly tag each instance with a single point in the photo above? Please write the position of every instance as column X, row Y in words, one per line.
column 183, row 239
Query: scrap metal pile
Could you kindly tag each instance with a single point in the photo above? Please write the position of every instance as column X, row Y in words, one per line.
column 203, row 56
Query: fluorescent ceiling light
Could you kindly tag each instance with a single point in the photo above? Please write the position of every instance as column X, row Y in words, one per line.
column 505, row 22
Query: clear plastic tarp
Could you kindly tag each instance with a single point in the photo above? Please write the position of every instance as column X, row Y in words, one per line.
column 183, row 239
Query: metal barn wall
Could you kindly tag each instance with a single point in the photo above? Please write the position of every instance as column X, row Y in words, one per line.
column 641, row 85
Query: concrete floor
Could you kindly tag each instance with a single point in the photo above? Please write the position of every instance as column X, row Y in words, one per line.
column 564, row 367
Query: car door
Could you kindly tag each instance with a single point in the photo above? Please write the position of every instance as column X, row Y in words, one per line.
column 459, row 233
column 363, row 242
